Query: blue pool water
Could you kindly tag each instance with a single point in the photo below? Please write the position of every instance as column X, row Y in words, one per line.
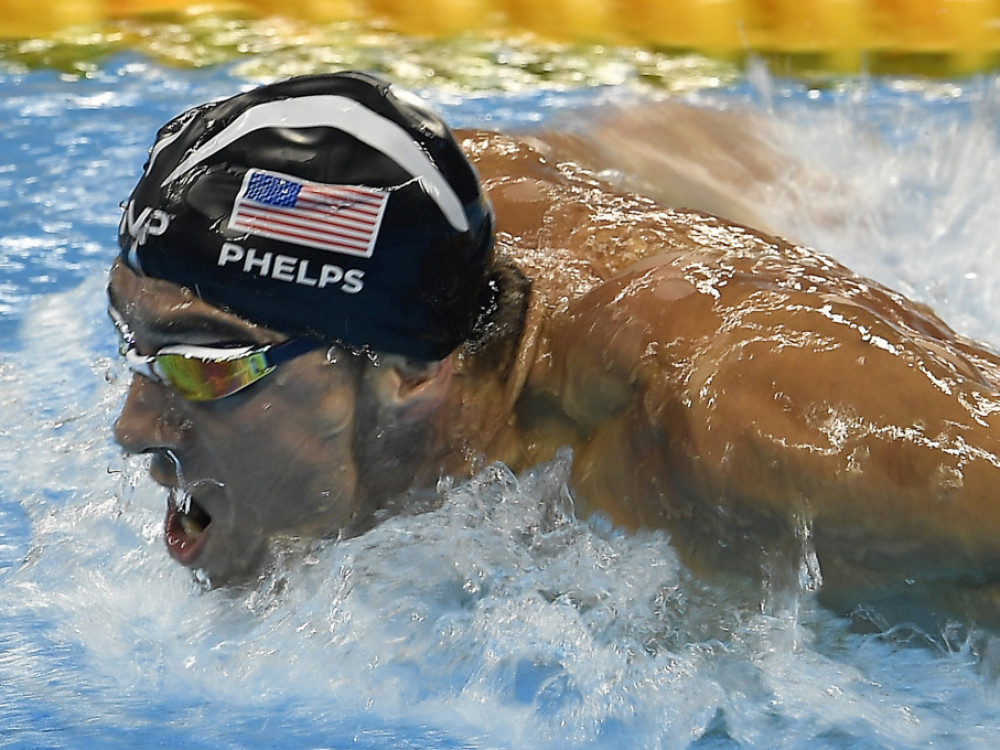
column 498, row 620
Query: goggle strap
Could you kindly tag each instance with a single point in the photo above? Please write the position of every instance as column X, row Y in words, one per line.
column 289, row 350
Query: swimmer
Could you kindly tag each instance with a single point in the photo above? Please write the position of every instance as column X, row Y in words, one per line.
column 328, row 307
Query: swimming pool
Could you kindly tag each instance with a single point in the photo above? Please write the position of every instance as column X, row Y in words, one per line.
column 498, row 620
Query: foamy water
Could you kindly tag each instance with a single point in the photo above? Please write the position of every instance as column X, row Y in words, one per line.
column 498, row 619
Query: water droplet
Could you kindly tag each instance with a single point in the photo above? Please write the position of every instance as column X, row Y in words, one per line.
column 180, row 494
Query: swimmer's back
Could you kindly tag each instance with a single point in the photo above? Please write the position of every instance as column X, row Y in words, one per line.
column 744, row 386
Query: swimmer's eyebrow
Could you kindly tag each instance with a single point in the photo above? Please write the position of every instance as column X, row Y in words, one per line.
column 191, row 327
column 188, row 326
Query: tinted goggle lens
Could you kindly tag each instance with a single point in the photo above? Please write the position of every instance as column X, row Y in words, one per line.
column 206, row 380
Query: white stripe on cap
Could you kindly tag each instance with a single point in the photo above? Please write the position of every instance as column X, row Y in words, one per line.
column 160, row 145
column 353, row 118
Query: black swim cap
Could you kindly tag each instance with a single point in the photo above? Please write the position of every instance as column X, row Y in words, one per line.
column 334, row 207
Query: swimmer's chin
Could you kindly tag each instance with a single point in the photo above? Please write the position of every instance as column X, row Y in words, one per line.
column 213, row 574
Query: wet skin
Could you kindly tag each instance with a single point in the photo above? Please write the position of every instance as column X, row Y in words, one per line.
column 710, row 379
column 243, row 458
column 733, row 388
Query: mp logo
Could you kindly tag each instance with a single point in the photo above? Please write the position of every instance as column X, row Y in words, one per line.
column 150, row 221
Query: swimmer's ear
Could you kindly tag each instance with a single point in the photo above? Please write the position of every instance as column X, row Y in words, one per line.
column 413, row 391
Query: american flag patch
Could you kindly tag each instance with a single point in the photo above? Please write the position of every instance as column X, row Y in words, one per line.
column 337, row 218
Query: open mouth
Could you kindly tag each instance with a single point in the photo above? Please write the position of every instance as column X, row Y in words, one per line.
column 186, row 530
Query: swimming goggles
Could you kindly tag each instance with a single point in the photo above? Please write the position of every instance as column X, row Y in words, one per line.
column 206, row 373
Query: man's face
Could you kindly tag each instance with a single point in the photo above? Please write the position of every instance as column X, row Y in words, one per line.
column 273, row 459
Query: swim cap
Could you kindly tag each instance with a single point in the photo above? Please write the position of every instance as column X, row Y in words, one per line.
column 333, row 207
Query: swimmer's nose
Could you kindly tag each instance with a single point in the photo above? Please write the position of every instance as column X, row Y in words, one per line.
column 148, row 420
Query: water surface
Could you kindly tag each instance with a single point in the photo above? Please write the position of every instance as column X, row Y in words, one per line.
column 499, row 620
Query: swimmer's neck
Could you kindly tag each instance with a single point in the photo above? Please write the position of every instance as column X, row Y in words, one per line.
column 482, row 416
